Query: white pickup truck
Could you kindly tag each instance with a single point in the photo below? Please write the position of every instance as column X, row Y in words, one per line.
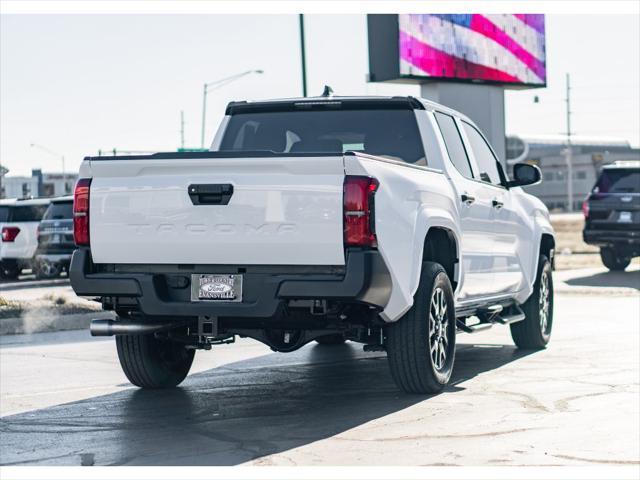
column 382, row 220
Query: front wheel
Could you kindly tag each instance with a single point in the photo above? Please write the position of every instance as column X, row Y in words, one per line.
column 534, row 332
column 613, row 260
column 151, row 363
column 421, row 345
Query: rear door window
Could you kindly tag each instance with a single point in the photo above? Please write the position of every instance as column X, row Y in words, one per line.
column 28, row 213
column 59, row 211
column 485, row 159
column 618, row 180
column 453, row 142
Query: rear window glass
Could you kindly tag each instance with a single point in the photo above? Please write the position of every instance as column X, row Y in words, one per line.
column 618, row 180
column 4, row 214
column 27, row 213
column 390, row 133
column 59, row 210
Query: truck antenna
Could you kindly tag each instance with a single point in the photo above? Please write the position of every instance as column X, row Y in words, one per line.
column 327, row 92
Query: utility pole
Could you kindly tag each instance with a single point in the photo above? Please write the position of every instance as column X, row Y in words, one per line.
column 568, row 150
column 55, row 154
column 181, row 128
column 303, row 56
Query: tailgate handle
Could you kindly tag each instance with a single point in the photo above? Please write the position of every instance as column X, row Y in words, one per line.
column 210, row 194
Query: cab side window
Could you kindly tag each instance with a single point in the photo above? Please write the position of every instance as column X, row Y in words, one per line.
column 486, row 161
column 453, row 142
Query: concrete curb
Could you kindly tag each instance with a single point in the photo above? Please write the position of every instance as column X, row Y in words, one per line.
column 76, row 321
column 564, row 289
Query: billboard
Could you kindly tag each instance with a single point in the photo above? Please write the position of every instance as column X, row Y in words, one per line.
column 499, row 49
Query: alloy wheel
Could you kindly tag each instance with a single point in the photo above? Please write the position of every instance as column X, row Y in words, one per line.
column 438, row 328
column 543, row 302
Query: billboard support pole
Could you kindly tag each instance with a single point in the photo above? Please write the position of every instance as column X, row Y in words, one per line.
column 303, row 56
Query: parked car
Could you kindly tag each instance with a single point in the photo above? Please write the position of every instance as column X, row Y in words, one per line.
column 19, row 221
column 387, row 221
column 612, row 214
column 55, row 239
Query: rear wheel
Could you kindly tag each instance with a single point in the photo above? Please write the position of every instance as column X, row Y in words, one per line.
column 421, row 345
column 45, row 269
column 151, row 363
column 534, row 332
column 334, row 339
column 614, row 260
column 9, row 270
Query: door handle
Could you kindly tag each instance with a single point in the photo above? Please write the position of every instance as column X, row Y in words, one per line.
column 210, row 194
column 468, row 199
column 497, row 204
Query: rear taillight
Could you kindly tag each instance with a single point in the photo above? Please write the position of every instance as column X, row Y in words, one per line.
column 9, row 234
column 359, row 220
column 81, row 212
column 585, row 208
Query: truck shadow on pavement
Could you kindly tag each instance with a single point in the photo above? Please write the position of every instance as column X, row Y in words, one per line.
column 231, row 414
column 608, row 279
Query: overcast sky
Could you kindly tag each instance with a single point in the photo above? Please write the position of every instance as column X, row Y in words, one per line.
column 76, row 83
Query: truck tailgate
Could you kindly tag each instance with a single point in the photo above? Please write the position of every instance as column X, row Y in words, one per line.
column 283, row 211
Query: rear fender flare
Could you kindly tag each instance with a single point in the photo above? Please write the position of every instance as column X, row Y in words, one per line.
column 405, row 288
column 428, row 219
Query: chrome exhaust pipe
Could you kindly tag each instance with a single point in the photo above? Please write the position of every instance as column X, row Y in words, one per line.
column 107, row 328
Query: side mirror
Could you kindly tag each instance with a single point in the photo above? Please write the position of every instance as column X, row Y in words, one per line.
column 525, row 174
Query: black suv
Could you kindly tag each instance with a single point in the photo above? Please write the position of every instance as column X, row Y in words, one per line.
column 612, row 214
column 55, row 239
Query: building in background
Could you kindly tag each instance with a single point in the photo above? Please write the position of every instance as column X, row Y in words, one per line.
column 589, row 154
column 39, row 184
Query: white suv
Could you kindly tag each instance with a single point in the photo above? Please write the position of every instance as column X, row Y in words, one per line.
column 19, row 220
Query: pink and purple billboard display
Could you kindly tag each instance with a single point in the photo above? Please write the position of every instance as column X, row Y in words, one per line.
column 507, row 49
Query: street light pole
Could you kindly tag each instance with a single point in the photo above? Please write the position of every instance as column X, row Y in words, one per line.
column 204, row 114
column 212, row 86
column 181, row 128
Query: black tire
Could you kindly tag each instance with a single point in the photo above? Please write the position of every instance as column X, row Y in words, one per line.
column 9, row 270
column 612, row 260
column 151, row 363
column 47, row 270
column 534, row 332
column 335, row 339
column 409, row 340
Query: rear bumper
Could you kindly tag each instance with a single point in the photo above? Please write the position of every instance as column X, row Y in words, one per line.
column 607, row 237
column 365, row 279
column 8, row 251
column 63, row 258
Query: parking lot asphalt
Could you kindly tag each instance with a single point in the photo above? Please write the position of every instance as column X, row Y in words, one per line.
column 64, row 401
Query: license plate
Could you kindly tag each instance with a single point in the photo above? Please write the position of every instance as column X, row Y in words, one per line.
column 624, row 217
column 221, row 288
column 55, row 239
